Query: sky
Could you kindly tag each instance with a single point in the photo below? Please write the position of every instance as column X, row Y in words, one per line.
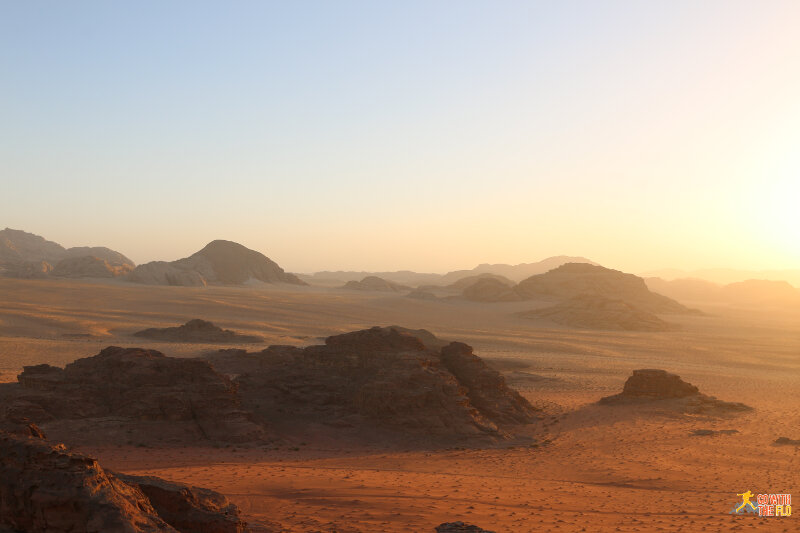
column 430, row 136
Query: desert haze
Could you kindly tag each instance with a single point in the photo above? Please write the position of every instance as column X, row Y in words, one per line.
column 575, row 400
column 399, row 267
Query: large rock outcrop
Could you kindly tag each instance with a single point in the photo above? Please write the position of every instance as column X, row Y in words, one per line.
column 197, row 330
column 188, row 508
column 45, row 488
column 661, row 387
column 223, row 262
column 592, row 311
column 379, row 380
column 125, row 393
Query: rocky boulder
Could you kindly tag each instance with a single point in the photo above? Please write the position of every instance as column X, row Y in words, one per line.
column 460, row 527
column 197, row 330
column 188, row 508
column 45, row 488
column 651, row 385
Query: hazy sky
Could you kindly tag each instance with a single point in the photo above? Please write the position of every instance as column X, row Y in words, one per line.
column 407, row 135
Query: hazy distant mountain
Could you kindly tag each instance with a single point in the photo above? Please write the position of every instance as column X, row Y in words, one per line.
column 580, row 279
column 515, row 273
column 26, row 255
column 331, row 278
column 727, row 275
column 761, row 291
column 220, row 261
column 374, row 283
column 748, row 292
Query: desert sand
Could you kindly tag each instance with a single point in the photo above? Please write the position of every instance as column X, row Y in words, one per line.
column 590, row 467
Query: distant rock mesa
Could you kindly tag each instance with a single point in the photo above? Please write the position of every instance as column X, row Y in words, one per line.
column 222, row 262
column 652, row 385
column 197, row 330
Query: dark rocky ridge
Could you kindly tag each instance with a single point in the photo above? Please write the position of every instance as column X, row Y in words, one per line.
column 197, row 330
column 379, row 385
column 130, row 391
column 45, row 488
column 381, row 379
column 654, row 386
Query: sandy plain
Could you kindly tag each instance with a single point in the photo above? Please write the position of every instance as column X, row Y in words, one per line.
column 594, row 468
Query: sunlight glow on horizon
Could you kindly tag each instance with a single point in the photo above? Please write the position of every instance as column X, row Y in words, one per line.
column 418, row 135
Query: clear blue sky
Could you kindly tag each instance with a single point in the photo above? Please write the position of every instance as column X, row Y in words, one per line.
column 422, row 135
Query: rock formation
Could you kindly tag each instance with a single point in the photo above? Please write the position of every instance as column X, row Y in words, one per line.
column 45, row 488
column 649, row 385
column 88, row 267
column 374, row 283
column 579, row 279
column 379, row 380
column 125, row 393
column 786, row 441
column 460, row 527
column 188, row 508
column 18, row 246
column 592, row 311
column 378, row 385
column 515, row 273
column 197, row 331
column 223, row 262
column 25, row 255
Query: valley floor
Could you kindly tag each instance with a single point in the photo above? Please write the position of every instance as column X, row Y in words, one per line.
column 594, row 468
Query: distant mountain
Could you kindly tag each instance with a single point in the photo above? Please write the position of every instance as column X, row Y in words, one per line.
column 223, row 262
column 690, row 289
column 761, row 291
column 727, row 275
column 515, row 273
column 330, row 278
column 580, row 279
column 374, row 283
column 17, row 246
column 25, row 255
column 748, row 292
